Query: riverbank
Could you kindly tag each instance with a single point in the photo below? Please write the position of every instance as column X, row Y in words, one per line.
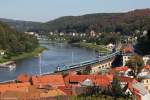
column 96, row 47
column 24, row 55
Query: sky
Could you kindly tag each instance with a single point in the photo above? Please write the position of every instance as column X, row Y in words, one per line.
column 45, row 10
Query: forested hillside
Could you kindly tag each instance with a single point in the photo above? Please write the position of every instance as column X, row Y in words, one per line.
column 15, row 42
column 102, row 22
column 22, row 26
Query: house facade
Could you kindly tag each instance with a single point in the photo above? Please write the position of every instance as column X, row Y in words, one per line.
column 146, row 82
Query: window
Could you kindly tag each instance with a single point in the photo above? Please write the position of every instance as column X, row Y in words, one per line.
column 146, row 81
column 146, row 87
column 125, row 57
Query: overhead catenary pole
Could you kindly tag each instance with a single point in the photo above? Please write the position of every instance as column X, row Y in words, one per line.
column 40, row 71
column 40, row 64
column 72, row 55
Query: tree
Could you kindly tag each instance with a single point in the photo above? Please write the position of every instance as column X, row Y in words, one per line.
column 87, row 70
column 116, row 87
column 16, row 42
column 136, row 63
column 79, row 72
column 143, row 43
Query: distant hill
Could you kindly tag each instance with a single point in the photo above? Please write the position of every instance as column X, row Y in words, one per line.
column 100, row 22
column 22, row 25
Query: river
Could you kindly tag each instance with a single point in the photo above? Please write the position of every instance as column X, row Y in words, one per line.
column 57, row 54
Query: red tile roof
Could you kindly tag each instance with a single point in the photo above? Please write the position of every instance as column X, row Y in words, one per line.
column 23, row 78
column 53, row 93
column 136, row 90
column 147, row 67
column 53, row 80
column 14, row 86
column 73, row 90
column 128, row 48
column 126, row 79
column 100, row 80
column 66, row 89
column 78, row 78
column 118, row 69
column 110, row 77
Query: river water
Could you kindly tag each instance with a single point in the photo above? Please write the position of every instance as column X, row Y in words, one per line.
column 57, row 54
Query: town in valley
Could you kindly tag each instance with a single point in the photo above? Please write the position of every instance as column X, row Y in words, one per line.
column 104, row 55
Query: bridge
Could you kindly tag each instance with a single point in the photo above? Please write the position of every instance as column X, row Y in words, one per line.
column 82, row 65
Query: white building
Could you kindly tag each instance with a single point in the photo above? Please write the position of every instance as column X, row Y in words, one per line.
column 2, row 52
column 126, row 57
column 110, row 46
column 51, row 33
column 145, row 59
column 145, row 32
column 30, row 33
column 73, row 34
column 61, row 34
column 142, row 91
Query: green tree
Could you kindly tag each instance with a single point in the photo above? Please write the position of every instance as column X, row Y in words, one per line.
column 136, row 63
column 15, row 42
column 116, row 87
column 143, row 43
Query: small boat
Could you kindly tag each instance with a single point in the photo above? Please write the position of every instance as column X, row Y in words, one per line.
column 10, row 65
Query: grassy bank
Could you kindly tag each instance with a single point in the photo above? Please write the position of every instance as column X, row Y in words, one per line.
column 92, row 46
column 24, row 55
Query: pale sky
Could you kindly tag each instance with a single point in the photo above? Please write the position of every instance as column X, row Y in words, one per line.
column 45, row 10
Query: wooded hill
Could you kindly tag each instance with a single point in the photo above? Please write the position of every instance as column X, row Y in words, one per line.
column 100, row 22
column 22, row 26
column 16, row 42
